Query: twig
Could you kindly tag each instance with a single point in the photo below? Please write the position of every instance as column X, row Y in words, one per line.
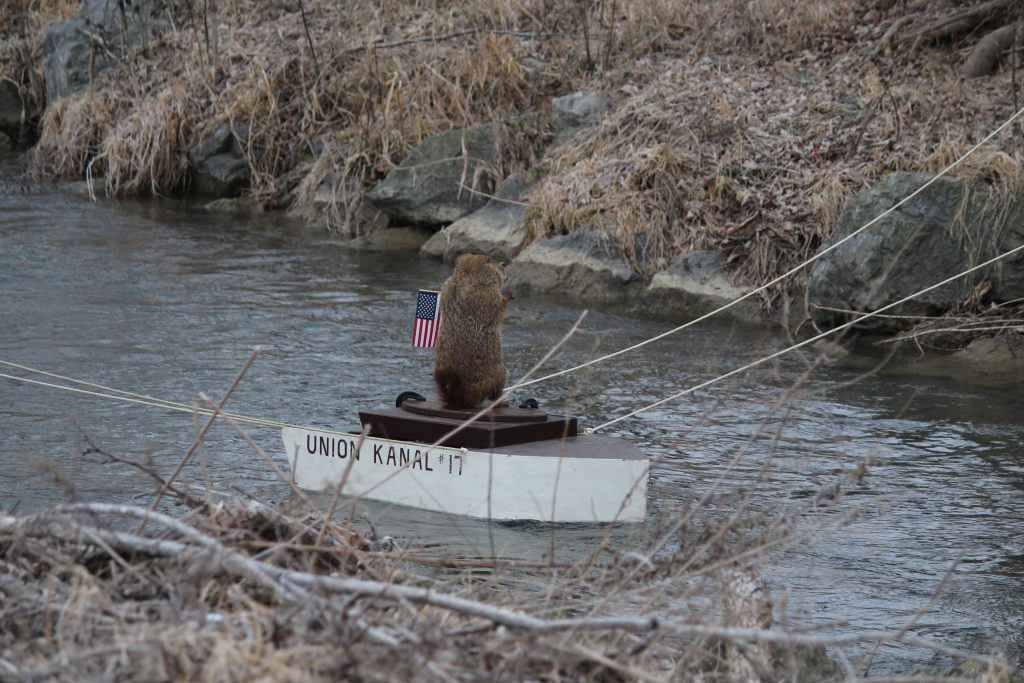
column 182, row 494
column 1013, row 325
column 309, row 39
column 459, row 34
column 939, row 590
column 885, row 42
column 202, row 434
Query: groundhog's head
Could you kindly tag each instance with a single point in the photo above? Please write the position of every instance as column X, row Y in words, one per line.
column 480, row 269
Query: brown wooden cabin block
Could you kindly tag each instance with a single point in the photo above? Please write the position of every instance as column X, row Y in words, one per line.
column 404, row 425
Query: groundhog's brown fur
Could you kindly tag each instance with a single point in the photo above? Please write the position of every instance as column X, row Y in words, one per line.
column 469, row 368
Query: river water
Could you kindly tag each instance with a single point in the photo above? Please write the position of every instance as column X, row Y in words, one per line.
column 169, row 300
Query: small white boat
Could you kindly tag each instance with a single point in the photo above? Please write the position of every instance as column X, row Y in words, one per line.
column 516, row 464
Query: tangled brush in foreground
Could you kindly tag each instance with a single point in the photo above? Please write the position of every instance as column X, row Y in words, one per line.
column 237, row 590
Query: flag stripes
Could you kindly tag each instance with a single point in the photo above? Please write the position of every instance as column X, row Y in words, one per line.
column 428, row 318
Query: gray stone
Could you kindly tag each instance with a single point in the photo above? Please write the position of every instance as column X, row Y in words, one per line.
column 68, row 44
column 694, row 284
column 497, row 230
column 432, row 185
column 584, row 265
column 11, row 106
column 920, row 244
column 66, row 59
column 1005, row 351
column 579, row 110
column 219, row 167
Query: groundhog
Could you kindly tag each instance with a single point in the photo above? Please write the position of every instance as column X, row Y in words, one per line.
column 469, row 368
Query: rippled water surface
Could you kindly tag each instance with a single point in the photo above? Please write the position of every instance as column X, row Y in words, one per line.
column 168, row 300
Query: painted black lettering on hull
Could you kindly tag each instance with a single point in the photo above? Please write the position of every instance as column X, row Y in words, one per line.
column 330, row 447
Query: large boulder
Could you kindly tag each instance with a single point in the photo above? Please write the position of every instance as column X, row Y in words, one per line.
column 583, row 265
column 497, row 230
column 941, row 232
column 441, row 179
column 694, row 284
column 219, row 166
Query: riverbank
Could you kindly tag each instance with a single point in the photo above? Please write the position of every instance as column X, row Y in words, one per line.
column 666, row 156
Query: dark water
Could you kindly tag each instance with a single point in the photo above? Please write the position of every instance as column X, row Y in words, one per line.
column 169, row 300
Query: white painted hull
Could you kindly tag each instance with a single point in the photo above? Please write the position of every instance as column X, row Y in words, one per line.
column 554, row 481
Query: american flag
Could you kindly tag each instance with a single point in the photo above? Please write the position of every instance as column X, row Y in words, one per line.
column 428, row 317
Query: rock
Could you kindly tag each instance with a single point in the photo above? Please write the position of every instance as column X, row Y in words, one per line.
column 920, row 244
column 68, row 44
column 427, row 187
column 694, row 284
column 66, row 59
column 582, row 265
column 219, row 165
column 6, row 144
column 11, row 109
column 497, row 230
column 579, row 110
column 1006, row 351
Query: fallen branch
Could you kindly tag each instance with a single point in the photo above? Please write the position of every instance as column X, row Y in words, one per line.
column 300, row 588
column 885, row 42
column 961, row 22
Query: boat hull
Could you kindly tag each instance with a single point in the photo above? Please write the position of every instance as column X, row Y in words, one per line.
column 578, row 479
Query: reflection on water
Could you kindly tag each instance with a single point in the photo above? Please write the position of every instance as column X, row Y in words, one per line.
column 169, row 300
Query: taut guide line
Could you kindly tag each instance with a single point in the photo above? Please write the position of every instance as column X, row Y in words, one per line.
column 130, row 397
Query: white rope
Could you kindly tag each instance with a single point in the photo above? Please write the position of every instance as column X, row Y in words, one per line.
column 129, row 397
column 785, row 275
column 106, row 389
column 813, row 339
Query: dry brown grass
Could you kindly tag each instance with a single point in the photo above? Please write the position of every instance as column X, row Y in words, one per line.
column 145, row 152
column 72, row 134
column 757, row 157
column 741, row 125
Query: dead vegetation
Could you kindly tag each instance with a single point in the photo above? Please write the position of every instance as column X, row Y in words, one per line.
column 740, row 125
column 958, row 329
